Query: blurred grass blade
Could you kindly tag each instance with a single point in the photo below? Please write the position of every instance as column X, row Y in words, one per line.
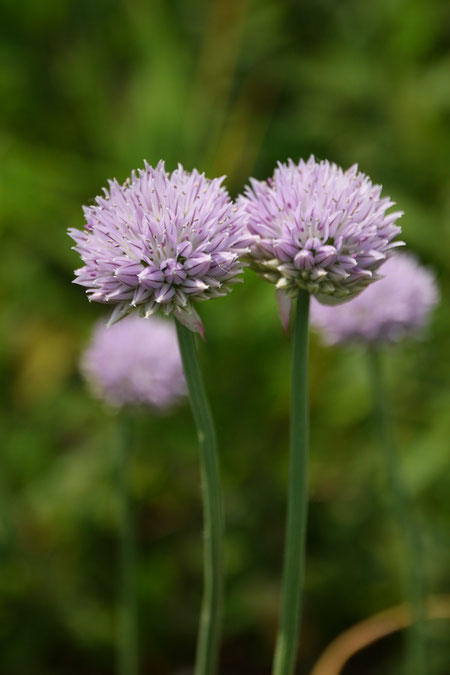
column 127, row 648
column 416, row 652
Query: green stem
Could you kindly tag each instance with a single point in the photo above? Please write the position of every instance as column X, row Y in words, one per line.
column 211, row 612
column 294, row 552
column 127, row 658
column 415, row 646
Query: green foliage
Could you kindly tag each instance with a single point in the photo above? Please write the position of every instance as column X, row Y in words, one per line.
column 90, row 89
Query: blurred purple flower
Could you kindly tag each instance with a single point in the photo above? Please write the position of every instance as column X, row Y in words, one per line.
column 396, row 307
column 135, row 362
column 159, row 242
column 318, row 228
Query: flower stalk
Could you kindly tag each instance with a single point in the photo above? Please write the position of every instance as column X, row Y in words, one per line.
column 294, row 553
column 127, row 647
column 416, row 652
column 208, row 639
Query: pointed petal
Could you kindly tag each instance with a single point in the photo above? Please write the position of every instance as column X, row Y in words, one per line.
column 164, row 294
column 140, row 295
column 150, row 308
column 120, row 311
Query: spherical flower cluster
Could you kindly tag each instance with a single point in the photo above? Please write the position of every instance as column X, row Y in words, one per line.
column 319, row 228
column 161, row 241
column 135, row 362
column 396, row 307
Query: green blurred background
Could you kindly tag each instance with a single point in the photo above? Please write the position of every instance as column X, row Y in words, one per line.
column 89, row 88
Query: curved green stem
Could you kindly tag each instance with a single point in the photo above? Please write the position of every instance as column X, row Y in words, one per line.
column 294, row 553
column 127, row 656
column 211, row 612
column 416, row 647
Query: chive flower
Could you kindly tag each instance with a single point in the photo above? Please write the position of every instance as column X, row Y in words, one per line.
column 161, row 242
column 397, row 307
column 135, row 362
column 324, row 232
column 318, row 228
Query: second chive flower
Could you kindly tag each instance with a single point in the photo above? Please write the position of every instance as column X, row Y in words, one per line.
column 318, row 228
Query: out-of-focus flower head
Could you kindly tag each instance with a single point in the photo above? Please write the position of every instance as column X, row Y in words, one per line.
column 135, row 362
column 318, row 228
column 396, row 307
column 159, row 242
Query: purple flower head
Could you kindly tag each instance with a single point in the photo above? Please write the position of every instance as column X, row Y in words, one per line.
column 160, row 242
column 318, row 228
column 396, row 307
column 135, row 362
